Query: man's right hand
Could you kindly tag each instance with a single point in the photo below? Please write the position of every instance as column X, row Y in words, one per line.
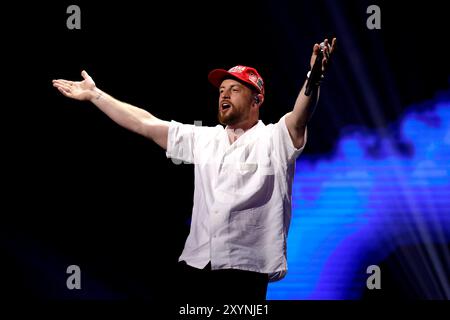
column 79, row 90
column 126, row 115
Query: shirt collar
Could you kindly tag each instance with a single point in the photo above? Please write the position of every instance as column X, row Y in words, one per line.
column 246, row 135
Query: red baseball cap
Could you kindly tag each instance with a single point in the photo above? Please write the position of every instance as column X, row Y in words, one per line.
column 246, row 74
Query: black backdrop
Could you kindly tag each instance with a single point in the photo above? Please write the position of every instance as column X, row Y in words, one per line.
column 78, row 189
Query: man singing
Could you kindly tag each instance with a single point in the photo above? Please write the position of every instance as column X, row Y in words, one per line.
column 243, row 178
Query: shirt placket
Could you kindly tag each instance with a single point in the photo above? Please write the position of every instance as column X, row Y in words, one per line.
column 219, row 213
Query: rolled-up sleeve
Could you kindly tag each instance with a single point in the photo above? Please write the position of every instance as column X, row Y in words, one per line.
column 283, row 144
column 180, row 142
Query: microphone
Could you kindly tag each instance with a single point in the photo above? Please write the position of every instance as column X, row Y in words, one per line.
column 315, row 75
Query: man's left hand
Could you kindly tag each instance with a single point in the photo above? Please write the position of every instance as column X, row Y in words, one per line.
column 327, row 52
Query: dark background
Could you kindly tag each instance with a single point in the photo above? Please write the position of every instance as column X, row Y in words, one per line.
column 78, row 189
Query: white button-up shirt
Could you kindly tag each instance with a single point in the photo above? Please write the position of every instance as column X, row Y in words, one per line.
column 242, row 197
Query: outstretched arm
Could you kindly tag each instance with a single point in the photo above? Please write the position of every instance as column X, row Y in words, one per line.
column 124, row 114
column 304, row 107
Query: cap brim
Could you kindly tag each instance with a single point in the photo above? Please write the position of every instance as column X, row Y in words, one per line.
column 216, row 77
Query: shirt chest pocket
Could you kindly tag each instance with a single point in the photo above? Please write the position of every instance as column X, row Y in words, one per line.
column 253, row 184
column 247, row 168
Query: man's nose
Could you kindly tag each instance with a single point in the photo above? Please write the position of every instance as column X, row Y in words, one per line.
column 225, row 94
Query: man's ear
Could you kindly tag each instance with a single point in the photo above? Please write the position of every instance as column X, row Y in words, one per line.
column 259, row 98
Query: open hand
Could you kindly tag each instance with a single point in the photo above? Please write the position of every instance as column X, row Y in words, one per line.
column 79, row 90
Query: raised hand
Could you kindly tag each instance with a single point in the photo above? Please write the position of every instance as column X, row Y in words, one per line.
column 327, row 52
column 79, row 90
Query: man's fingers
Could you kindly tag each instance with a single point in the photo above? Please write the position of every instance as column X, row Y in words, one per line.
column 316, row 49
column 64, row 92
column 62, row 87
column 327, row 46
column 324, row 64
column 64, row 82
column 61, row 84
column 85, row 75
column 333, row 45
column 326, row 51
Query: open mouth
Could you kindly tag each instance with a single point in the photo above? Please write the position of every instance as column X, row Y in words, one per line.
column 225, row 106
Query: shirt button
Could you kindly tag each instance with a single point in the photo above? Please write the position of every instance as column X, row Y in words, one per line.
column 216, row 211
